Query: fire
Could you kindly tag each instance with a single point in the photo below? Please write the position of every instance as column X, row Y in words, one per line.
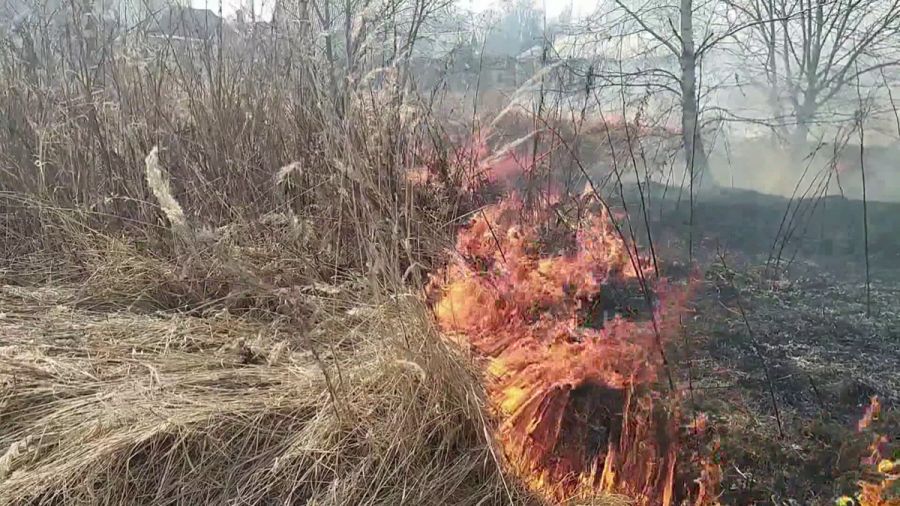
column 882, row 491
column 571, row 390
column 476, row 167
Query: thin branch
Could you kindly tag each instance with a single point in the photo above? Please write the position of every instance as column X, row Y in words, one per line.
column 662, row 40
column 862, row 169
column 756, row 347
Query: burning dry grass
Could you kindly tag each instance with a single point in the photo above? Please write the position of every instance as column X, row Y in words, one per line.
column 571, row 392
column 367, row 407
column 223, row 373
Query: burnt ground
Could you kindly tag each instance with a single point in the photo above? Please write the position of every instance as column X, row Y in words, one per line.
column 825, row 358
column 806, row 325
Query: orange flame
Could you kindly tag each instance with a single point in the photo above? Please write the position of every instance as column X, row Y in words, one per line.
column 872, row 412
column 885, row 489
column 576, row 415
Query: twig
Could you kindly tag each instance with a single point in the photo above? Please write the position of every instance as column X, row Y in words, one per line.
column 815, row 390
column 788, row 209
column 332, row 392
column 689, row 360
column 756, row 347
column 862, row 169
column 891, row 99
column 644, row 209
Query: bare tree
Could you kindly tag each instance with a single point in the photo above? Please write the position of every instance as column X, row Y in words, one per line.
column 673, row 26
column 813, row 51
column 761, row 44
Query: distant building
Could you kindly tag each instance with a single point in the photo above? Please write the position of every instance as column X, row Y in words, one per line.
column 187, row 23
column 122, row 13
column 133, row 12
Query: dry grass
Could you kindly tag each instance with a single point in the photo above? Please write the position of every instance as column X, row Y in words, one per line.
column 80, row 128
column 364, row 405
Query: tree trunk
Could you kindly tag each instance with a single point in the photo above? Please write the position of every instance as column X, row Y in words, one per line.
column 804, row 116
column 772, row 76
column 801, row 133
column 694, row 150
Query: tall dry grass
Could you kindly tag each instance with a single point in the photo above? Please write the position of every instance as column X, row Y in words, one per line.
column 204, row 251
column 85, row 103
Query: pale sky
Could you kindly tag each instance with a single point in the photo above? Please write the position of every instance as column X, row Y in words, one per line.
column 263, row 8
column 553, row 7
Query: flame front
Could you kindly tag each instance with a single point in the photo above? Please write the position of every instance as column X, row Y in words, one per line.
column 572, row 398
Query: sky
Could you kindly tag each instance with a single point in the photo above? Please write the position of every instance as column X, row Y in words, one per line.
column 553, row 7
column 263, row 8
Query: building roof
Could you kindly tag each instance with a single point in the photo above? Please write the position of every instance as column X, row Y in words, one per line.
column 186, row 23
column 600, row 47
